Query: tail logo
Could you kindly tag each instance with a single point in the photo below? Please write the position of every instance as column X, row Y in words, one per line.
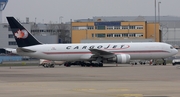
column 21, row 34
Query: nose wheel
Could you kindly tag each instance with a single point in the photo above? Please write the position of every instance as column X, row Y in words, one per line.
column 164, row 61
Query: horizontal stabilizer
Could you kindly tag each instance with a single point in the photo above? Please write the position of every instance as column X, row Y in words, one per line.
column 25, row 50
column 12, row 50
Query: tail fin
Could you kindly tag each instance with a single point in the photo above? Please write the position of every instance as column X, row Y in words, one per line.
column 22, row 36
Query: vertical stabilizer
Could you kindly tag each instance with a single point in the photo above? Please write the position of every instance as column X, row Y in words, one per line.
column 22, row 36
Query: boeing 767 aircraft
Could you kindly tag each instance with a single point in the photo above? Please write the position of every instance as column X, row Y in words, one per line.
column 28, row 45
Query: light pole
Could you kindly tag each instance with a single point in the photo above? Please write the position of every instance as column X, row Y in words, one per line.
column 159, row 17
column 155, row 22
column 35, row 20
column 60, row 19
column 159, row 12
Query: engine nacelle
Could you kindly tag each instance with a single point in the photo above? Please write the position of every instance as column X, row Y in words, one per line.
column 122, row 58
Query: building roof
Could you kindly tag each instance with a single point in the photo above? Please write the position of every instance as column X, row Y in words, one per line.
column 165, row 21
column 135, row 18
column 130, row 18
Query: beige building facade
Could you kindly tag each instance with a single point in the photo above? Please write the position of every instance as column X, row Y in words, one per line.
column 114, row 30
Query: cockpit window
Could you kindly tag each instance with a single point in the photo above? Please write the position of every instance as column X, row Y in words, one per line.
column 171, row 47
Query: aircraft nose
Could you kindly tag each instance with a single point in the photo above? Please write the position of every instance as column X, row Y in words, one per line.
column 175, row 51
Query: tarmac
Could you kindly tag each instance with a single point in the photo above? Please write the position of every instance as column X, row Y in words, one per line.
column 109, row 81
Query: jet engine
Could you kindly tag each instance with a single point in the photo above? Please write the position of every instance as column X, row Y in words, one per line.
column 122, row 58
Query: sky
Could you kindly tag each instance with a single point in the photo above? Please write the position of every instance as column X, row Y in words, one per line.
column 55, row 11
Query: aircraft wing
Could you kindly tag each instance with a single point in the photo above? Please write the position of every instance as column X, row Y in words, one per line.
column 102, row 53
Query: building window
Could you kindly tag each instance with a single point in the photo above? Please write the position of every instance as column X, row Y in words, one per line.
column 82, row 28
column 131, row 27
column 79, row 28
column 92, row 35
column 36, row 30
column 139, row 35
column 74, row 28
column 10, row 36
column 125, row 35
column 58, row 30
column 100, row 35
column 100, row 27
column 117, row 35
column 132, row 35
column 41, row 30
column 110, row 27
column 12, row 43
column 139, row 27
column 5, row 26
column 117, row 27
column 90, row 27
column 49, row 30
column 124, row 27
column 110, row 35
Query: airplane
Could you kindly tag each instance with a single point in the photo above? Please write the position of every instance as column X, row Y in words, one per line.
column 99, row 53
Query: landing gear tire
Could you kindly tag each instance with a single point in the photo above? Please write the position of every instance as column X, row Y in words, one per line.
column 100, row 64
column 51, row 65
column 45, row 65
column 67, row 64
column 173, row 64
column 164, row 63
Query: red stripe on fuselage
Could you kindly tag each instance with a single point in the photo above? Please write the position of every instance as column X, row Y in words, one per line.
column 128, row 52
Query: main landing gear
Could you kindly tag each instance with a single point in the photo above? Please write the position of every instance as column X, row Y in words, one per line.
column 159, row 62
column 92, row 64
column 83, row 64
column 48, row 65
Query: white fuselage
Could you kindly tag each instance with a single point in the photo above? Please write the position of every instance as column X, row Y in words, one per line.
column 73, row 52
